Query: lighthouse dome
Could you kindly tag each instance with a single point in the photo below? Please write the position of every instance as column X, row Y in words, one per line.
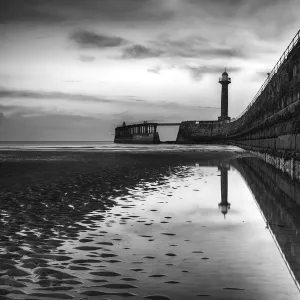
column 225, row 76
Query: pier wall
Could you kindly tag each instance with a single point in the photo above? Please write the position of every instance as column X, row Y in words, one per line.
column 139, row 138
column 271, row 123
column 145, row 133
column 199, row 132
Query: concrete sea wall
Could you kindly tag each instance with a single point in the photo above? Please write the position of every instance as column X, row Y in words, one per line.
column 199, row 132
column 144, row 133
column 138, row 138
column 271, row 123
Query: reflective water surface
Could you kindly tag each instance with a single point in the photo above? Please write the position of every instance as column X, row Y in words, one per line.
column 78, row 225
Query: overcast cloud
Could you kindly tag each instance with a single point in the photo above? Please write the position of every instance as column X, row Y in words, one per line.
column 90, row 64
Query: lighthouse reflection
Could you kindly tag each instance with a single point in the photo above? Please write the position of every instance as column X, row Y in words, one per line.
column 224, row 205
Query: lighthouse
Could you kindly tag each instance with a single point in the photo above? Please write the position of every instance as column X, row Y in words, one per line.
column 225, row 81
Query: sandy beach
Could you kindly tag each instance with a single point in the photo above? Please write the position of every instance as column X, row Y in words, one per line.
column 114, row 225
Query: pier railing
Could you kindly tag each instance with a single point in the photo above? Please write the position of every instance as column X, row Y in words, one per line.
column 158, row 122
column 285, row 54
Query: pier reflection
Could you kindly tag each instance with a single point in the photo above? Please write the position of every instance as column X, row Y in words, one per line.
column 278, row 198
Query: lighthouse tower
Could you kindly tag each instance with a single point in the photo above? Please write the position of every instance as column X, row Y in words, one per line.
column 224, row 80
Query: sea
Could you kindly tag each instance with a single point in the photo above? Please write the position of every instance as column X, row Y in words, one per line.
column 101, row 145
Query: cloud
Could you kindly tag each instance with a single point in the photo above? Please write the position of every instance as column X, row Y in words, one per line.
column 131, row 102
column 209, row 52
column 140, row 52
column 226, row 7
column 195, row 47
column 198, row 72
column 86, row 58
column 27, row 125
column 88, row 39
column 19, row 110
column 45, row 11
column 260, row 75
column 72, row 97
column 189, row 47
column 155, row 70
column 30, row 94
column 29, row 115
column 267, row 18
column 1, row 117
column 15, row 11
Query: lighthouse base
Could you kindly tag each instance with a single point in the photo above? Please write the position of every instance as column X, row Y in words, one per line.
column 226, row 119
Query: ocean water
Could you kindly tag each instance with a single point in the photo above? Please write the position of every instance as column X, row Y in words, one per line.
column 146, row 222
column 105, row 146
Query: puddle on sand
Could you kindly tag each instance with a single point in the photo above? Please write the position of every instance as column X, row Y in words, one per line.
column 212, row 246
column 201, row 236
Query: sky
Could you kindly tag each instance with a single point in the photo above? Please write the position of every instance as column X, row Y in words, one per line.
column 75, row 69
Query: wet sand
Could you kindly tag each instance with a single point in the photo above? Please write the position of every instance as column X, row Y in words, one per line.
column 102, row 225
